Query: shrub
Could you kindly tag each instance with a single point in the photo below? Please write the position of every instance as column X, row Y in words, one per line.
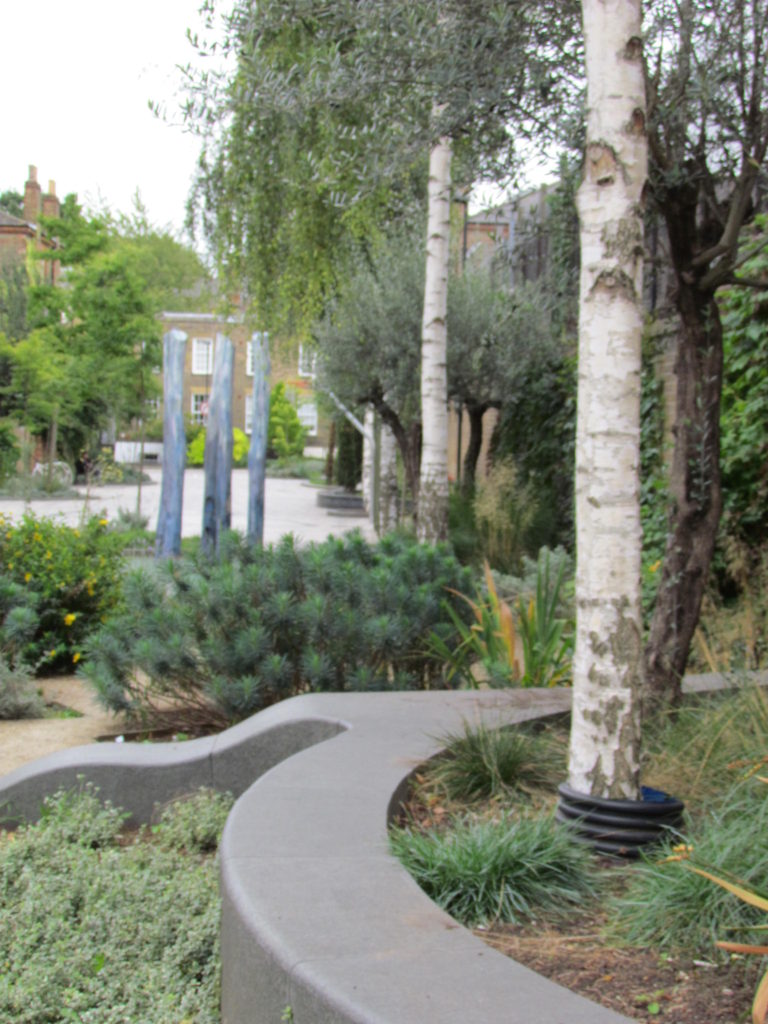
column 240, row 445
column 95, row 931
column 224, row 639
column 504, row 513
column 510, row 869
column 285, row 434
column 194, row 824
column 72, row 576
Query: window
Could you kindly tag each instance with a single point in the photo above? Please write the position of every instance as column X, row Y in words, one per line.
column 306, row 361
column 307, row 412
column 199, row 407
column 202, row 356
column 249, row 413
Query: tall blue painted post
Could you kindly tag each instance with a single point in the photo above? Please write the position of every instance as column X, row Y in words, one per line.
column 217, row 502
column 257, row 453
column 168, row 536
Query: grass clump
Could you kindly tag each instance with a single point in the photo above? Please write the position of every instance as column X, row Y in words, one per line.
column 668, row 907
column 480, row 763
column 97, row 928
column 508, row 869
column 689, row 752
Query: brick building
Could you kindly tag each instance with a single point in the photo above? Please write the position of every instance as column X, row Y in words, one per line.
column 18, row 234
column 288, row 365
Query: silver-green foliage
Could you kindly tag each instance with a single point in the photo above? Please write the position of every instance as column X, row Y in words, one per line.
column 509, row 869
column 225, row 638
column 98, row 933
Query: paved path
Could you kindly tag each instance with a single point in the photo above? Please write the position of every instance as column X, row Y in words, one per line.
column 290, row 506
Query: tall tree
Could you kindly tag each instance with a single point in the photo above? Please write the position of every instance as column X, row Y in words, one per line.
column 607, row 665
column 375, row 86
column 706, row 66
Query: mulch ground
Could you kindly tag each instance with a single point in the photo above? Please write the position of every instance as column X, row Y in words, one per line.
column 640, row 984
column 644, row 985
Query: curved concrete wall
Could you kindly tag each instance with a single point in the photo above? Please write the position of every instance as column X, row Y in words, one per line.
column 316, row 915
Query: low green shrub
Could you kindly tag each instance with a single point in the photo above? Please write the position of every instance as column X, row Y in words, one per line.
column 194, row 824
column 96, row 931
column 223, row 639
column 240, row 445
column 525, row 644
column 508, row 869
column 72, row 577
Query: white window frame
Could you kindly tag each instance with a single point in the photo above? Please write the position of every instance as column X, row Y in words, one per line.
column 197, row 399
column 248, row 418
column 307, row 360
column 202, row 357
column 309, row 418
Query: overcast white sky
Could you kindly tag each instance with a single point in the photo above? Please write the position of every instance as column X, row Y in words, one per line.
column 75, row 78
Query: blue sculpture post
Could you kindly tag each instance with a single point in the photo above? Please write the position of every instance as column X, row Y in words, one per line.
column 168, row 536
column 257, row 453
column 217, row 503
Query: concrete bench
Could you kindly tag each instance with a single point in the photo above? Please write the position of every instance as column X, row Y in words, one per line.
column 317, row 917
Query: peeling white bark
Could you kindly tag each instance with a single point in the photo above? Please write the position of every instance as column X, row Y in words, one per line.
column 388, row 501
column 433, row 481
column 607, row 669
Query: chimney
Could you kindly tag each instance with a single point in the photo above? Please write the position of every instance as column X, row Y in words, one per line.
column 51, row 205
column 32, row 197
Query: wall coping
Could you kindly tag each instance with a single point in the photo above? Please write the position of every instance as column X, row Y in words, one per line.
column 316, row 914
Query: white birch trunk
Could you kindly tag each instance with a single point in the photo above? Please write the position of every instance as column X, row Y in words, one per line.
column 432, row 518
column 390, row 496
column 607, row 667
column 369, row 458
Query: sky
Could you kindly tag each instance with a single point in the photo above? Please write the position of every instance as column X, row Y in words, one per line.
column 76, row 77
column 75, row 80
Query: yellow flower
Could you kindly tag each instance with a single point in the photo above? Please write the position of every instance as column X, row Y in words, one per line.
column 76, row 533
column 102, row 522
column 52, row 654
column 76, row 657
column 37, row 536
column 69, row 618
column 27, row 577
column 654, row 567
column 49, row 554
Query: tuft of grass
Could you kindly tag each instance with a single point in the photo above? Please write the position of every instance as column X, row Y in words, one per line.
column 508, row 869
column 481, row 763
column 688, row 752
column 667, row 907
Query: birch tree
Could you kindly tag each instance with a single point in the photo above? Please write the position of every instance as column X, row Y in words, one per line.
column 432, row 513
column 607, row 667
column 374, row 86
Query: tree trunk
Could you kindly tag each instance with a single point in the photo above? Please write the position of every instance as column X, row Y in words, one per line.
column 474, row 445
column 432, row 515
column 695, row 493
column 607, row 665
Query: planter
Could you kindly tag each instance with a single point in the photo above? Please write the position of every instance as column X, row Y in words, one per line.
column 622, row 828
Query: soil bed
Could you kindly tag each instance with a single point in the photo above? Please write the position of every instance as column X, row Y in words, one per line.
column 641, row 984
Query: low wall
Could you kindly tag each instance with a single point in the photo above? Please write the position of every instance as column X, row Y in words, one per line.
column 320, row 924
